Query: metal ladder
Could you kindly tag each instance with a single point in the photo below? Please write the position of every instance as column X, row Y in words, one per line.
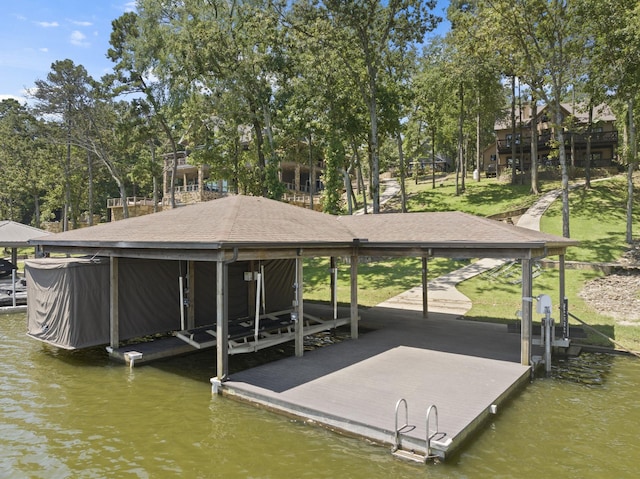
column 397, row 450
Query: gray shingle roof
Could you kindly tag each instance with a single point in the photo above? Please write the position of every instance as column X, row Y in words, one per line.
column 14, row 234
column 260, row 222
column 444, row 227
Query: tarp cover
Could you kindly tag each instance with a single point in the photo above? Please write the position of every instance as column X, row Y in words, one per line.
column 68, row 302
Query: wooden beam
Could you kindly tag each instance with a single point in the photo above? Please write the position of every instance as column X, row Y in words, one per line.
column 114, row 335
column 299, row 307
column 222, row 321
column 527, row 310
column 354, row 296
column 191, row 294
column 425, row 294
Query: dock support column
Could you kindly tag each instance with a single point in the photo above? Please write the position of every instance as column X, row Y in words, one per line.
column 191, row 294
column 334, row 286
column 299, row 307
column 354, row 297
column 527, row 309
column 114, row 335
column 564, row 317
column 222, row 321
column 425, row 294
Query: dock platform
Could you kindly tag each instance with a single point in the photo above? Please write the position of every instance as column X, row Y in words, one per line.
column 467, row 369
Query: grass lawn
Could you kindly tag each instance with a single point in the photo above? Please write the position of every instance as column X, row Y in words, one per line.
column 378, row 280
column 598, row 220
column 485, row 198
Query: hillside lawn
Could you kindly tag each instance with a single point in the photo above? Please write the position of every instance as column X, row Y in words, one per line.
column 597, row 220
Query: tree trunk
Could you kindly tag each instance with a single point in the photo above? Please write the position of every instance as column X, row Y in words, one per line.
column 403, row 189
column 433, row 158
column 630, row 170
column 375, row 154
column 360, row 179
column 90, row 193
column 460, row 129
column 154, row 177
column 67, row 181
column 311, row 178
column 513, row 130
column 36, row 213
column 534, row 146
column 563, row 166
column 478, row 142
column 587, row 160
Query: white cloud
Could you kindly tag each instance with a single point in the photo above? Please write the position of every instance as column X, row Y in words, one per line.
column 81, row 24
column 130, row 6
column 79, row 39
column 48, row 24
column 44, row 49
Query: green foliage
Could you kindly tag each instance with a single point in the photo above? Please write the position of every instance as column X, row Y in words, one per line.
column 332, row 178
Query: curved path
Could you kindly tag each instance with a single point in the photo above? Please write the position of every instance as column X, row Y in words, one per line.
column 443, row 295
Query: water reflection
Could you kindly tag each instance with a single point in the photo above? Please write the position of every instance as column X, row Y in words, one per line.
column 77, row 414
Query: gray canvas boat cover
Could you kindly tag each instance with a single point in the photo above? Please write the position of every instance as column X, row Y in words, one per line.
column 68, row 302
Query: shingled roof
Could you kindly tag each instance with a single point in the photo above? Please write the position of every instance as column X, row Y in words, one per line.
column 14, row 235
column 231, row 221
column 247, row 221
column 446, row 228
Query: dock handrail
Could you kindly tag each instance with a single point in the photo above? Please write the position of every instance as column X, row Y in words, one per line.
column 430, row 436
column 396, row 435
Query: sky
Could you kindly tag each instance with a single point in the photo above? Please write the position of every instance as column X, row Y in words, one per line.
column 36, row 33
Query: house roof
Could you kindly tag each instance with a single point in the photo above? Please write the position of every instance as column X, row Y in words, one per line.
column 601, row 113
column 13, row 235
column 255, row 222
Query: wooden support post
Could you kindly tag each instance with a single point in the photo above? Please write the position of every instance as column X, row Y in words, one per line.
column 299, row 307
column 222, row 320
column 564, row 318
column 527, row 310
column 191, row 294
column 425, row 294
column 114, row 336
column 334, row 299
column 354, row 297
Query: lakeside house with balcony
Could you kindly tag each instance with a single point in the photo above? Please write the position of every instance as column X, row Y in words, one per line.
column 604, row 139
column 193, row 184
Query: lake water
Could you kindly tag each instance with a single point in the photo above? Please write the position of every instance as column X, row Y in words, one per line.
column 79, row 414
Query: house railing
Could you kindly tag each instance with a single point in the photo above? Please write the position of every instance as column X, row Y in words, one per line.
column 580, row 139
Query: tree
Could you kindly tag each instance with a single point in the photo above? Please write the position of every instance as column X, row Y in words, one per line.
column 368, row 31
column 614, row 56
column 23, row 159
column 61, row 97
column 541, row 40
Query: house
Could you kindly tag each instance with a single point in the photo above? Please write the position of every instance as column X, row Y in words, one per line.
column 604, row 139
column 193, row 184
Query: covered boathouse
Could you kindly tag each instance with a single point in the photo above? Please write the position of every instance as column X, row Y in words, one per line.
column 229, row 274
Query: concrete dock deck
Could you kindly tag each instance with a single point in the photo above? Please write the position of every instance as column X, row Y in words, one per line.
column 462, row 367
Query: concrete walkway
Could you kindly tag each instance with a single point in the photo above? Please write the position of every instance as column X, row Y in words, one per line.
column 443, row 297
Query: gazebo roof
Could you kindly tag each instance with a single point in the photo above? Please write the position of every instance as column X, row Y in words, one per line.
column 14, row 235
column 256, row 222
column 451, row 228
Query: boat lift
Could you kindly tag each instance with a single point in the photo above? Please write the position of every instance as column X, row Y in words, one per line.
column 547, row 337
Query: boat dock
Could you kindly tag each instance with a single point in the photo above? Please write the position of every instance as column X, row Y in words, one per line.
column 466, row 369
